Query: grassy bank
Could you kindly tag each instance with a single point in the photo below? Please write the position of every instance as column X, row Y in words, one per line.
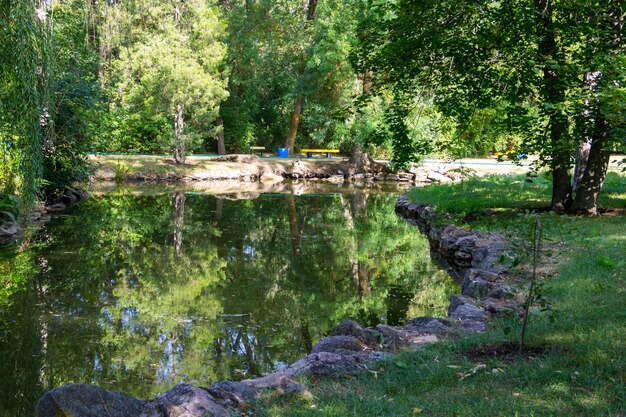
column 581, row 368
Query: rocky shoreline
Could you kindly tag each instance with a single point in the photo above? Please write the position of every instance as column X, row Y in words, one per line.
column 486, row 291
column 251, row 168
column 11, row 231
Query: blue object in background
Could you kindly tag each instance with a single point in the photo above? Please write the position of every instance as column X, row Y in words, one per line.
column 283, row 152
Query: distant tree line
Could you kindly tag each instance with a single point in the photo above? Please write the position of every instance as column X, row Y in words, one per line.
column 395, row 78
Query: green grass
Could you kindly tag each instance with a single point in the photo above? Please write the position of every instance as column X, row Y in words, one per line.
column 500, row 202
column 584, row 332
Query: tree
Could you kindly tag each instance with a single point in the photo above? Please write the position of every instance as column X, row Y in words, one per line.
column 172, row 65
column 23, row 80
column 527, row 58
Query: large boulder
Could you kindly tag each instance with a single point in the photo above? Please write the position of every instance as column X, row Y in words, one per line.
column 82, row 400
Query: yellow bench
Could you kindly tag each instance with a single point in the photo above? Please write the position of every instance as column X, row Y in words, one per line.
column 310, row 152
column 252, row 149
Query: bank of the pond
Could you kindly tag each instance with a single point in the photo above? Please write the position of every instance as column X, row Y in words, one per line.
column 575, row 362
column 246, row 168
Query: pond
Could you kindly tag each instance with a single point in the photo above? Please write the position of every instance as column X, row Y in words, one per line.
column 136, row 290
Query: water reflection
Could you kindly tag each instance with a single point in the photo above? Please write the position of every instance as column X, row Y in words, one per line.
column 137, row 291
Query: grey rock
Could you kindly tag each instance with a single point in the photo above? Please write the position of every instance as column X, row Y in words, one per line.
column 82, row 400
column 351, row 328
column 185, row 400
column 469, row 312
column 470, row 318
column 430, row 325
column 233, row 394
column 339, row 344
column 278, row 381
column 501, row 292
column 476, row 287
column 401, row 338
column 499, row 307
column 332, row 364
column 457, row 301
column 490, row 276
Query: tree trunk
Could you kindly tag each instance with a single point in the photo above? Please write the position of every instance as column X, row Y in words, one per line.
column 597, row 165
column 179, row 141
column 553, row 92
column 293, row 226
column 221, row 147
column 178, row 200
column 294, row 122
column 582, row 156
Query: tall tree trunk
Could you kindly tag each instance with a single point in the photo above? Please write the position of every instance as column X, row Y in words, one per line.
column 595, row 171
column 221, row 147
column 294, row 121
column 553, row 92
column 179, row 141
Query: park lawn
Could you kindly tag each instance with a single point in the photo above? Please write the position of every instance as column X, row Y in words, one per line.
column 583, row 332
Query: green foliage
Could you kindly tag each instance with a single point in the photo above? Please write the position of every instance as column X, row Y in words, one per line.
column 159, row 67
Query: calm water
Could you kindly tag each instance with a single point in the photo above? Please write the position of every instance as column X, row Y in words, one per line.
column 138, row 291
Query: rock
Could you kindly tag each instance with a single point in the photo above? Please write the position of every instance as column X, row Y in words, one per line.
column 421, row 177
column 279, row 381
column 332, row 364
column 9, row 231
column 430, row 325
column 340, row 345
column 69, row 197
column 501, row 292
column 183, row 400
column 457, row 301
column 470, row 318
column 499, row 307
column 366, row 336
column 233, row 394
column 82, row 400
column 402, row 338
column 476, row 288
column 437, row 177
column 473, row 274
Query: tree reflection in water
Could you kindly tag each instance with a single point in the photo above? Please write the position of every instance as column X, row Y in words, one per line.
column 137, row 292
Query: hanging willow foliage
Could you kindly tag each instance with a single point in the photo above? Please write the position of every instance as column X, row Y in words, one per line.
column 24, row 53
